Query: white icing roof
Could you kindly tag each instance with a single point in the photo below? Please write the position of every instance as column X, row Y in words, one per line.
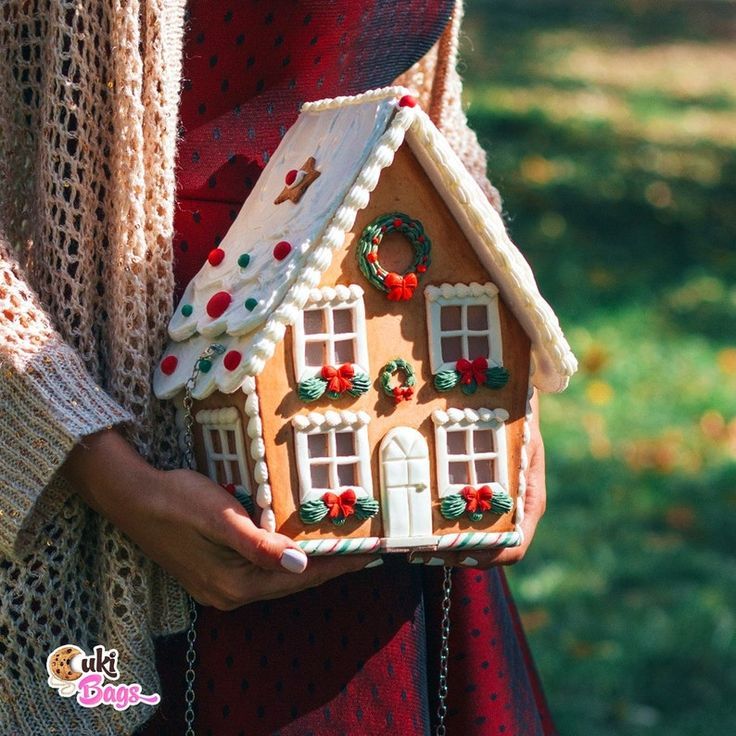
column 352, row 140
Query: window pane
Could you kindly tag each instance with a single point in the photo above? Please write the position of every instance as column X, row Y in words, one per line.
column 478, row 317
column 342, row 320
column 313, row 321
column 317, row 444
column 477, row 346
column 346, row 474
column 483, row 440
column 344, row 352
column 451, row 349
column 220, row 472
column 458, row 473
column 450, row 318
column 483, row 471
column 320, row 476
column 216, row 444
column 230, row 446
column 237, row 477
column 344, row 444
column 314, row 354
column 456, row 442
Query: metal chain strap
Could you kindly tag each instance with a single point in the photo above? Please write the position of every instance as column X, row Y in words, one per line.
column 444, row 653
column 191, row 656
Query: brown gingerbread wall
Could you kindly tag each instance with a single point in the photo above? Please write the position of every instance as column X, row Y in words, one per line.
column 395, row 329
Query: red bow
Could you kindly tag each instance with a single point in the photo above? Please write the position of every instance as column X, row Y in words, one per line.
column 338, row 379
column 340, row 506
column 469, row 371
column 402, row 394
column 400, row 288
column 477, row 499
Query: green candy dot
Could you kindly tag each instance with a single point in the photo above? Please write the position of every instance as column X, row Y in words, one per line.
column 251, row 304
column 244, row 260
column 205, row 365
column 187, row 310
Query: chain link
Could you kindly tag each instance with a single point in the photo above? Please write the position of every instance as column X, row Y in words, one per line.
column 191, row 656
column 444, row 653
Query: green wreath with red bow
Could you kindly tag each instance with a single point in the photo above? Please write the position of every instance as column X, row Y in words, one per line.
column 338, row 507
column 398, row 287
column 405, row 390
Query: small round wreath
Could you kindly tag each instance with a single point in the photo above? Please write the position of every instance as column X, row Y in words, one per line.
column 404, row 391
column 398, row 287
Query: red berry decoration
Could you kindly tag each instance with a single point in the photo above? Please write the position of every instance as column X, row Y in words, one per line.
column 408, row 101
column 168, row 365
column 218, row 303
column 290, row 177
column 281, row 250
column 216, row 256
column 397, row 223
column 232, row 360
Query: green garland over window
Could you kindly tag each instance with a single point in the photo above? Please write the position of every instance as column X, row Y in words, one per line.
column 398, row 287
column 338, row 507
column 471, row 374
column 475, row 502
column 335, row 382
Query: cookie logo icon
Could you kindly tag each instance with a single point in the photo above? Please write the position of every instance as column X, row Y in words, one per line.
column 64, row 667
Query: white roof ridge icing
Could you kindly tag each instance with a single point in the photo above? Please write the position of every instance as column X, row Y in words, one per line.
column 249, row 340
column 383, row 93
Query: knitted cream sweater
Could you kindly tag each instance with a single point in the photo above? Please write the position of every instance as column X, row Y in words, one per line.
column 88, row 120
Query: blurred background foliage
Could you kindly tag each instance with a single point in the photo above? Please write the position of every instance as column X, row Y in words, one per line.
column 611, row 132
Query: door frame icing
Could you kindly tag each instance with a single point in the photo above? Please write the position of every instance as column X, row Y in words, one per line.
column 414, row 501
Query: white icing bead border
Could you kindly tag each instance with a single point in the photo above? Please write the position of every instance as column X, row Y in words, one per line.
column 440, row 417
column 333, row 419
column 254, row 430
column 460, row 291
column 382, row 93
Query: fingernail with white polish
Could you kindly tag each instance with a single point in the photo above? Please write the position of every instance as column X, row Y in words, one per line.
column 469, row 562
column 435, row 561
column 293, row 560
column 374, row 563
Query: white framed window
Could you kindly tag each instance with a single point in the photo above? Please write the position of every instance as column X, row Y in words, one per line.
column 463, row 322
column 332, row 454
column 330, row 330
column 470, row 449
column 224, row 445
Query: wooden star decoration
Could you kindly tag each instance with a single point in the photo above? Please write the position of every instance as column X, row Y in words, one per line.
column 295, row 191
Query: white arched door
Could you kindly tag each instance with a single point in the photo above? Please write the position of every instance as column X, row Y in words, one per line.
column 406, row 498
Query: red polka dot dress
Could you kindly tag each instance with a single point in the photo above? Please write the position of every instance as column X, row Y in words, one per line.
column 360, row 654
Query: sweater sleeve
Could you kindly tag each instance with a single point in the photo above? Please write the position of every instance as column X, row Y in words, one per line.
column 49, row 401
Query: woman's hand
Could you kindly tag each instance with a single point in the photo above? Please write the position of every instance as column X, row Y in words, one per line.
column 535, row 504
column 194, row 528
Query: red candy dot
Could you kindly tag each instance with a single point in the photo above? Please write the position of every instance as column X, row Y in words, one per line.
column 168, row 365
column 218, row 303
column 281, row 250
column 421, row 269
column 408, row 101
column 398, row 223
column 215, row 256
column 290, row 177
column 231, row 360
column 371, row 258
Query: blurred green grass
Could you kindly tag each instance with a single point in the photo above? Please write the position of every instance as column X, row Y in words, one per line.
column 611, row 133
